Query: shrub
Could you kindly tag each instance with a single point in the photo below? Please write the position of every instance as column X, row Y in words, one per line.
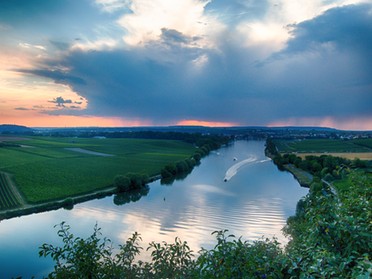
column 68, row 204
column 122, row 183
column 234, row 258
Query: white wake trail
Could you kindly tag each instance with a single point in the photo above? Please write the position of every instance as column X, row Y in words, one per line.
column 234, row 169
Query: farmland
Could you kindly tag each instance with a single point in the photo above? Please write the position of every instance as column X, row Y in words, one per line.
column 8, row 196
column 50, row 168
column 350, row 149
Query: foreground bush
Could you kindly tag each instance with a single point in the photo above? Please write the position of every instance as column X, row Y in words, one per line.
column 332, row 232
column 233, row 258
column 94, row 257
column 330, row 238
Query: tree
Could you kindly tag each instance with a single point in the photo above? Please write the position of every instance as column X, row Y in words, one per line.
column 182, row 167
column 136, row 180
column 122, row 183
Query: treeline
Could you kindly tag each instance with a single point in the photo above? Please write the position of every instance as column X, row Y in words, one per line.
column 130, row 181
column 7, row 144
column 193, row 138
column 181, row 169
column 325, row 167
column 177, row 170
column 135, row 181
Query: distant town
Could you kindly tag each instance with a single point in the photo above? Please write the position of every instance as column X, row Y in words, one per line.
column 249, row 132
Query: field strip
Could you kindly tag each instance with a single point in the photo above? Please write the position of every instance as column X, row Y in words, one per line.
column 13, row 188
column 85, row 151
column 347, row 155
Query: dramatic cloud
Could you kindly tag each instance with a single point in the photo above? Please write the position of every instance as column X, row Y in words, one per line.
column 324, row 71
column 192, row 61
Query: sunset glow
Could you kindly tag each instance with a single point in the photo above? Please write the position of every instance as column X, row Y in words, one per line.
column 205, row 123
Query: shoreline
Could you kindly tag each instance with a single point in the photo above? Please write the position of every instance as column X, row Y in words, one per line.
column 67, row 203
column 303, row 178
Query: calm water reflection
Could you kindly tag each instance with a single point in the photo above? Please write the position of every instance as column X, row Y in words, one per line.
column 255, row 201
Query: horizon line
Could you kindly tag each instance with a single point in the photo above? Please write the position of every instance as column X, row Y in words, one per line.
column 187, row 126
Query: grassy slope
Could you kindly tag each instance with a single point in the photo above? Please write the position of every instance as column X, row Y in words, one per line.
column 46, row 171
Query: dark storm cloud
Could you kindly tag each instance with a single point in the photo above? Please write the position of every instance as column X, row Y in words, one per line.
column 57, row 76
column 347, row 27
column 60, row 101
column 327, row 67
column 325, row 71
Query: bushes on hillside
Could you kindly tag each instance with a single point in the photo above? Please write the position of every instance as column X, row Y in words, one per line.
column 326, row 167
column 331, row 234
column 330, row 238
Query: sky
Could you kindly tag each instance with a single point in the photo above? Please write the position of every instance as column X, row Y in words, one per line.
column 186, row 62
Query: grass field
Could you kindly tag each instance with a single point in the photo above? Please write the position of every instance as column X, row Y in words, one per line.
column 325, row 146
column 45, row 170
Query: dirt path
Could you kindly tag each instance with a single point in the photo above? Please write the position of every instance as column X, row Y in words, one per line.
column 85, row 151
column 14, row 189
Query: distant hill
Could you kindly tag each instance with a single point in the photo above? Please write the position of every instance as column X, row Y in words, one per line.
column 14, row 129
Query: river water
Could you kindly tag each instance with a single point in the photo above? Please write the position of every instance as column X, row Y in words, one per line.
column 236, row 188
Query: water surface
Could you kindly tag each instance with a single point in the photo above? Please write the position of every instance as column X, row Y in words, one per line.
column 255, row 200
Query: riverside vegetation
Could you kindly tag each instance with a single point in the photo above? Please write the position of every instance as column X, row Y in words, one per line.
column 330, row 237
column 53, row 172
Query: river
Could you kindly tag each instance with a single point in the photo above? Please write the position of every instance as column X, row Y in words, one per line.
column 236, row 188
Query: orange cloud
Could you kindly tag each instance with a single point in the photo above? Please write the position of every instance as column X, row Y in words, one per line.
column 33, row 119
column 192, row 122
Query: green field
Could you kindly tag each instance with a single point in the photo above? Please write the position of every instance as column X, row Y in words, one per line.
column 43, row 169
column 324, row 145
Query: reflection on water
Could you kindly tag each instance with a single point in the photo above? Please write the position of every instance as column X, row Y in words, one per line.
column 131, row 196
column 255, row 201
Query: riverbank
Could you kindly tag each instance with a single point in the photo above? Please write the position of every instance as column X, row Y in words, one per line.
column 304, row 178
column 67, row 203
column 255, row 202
